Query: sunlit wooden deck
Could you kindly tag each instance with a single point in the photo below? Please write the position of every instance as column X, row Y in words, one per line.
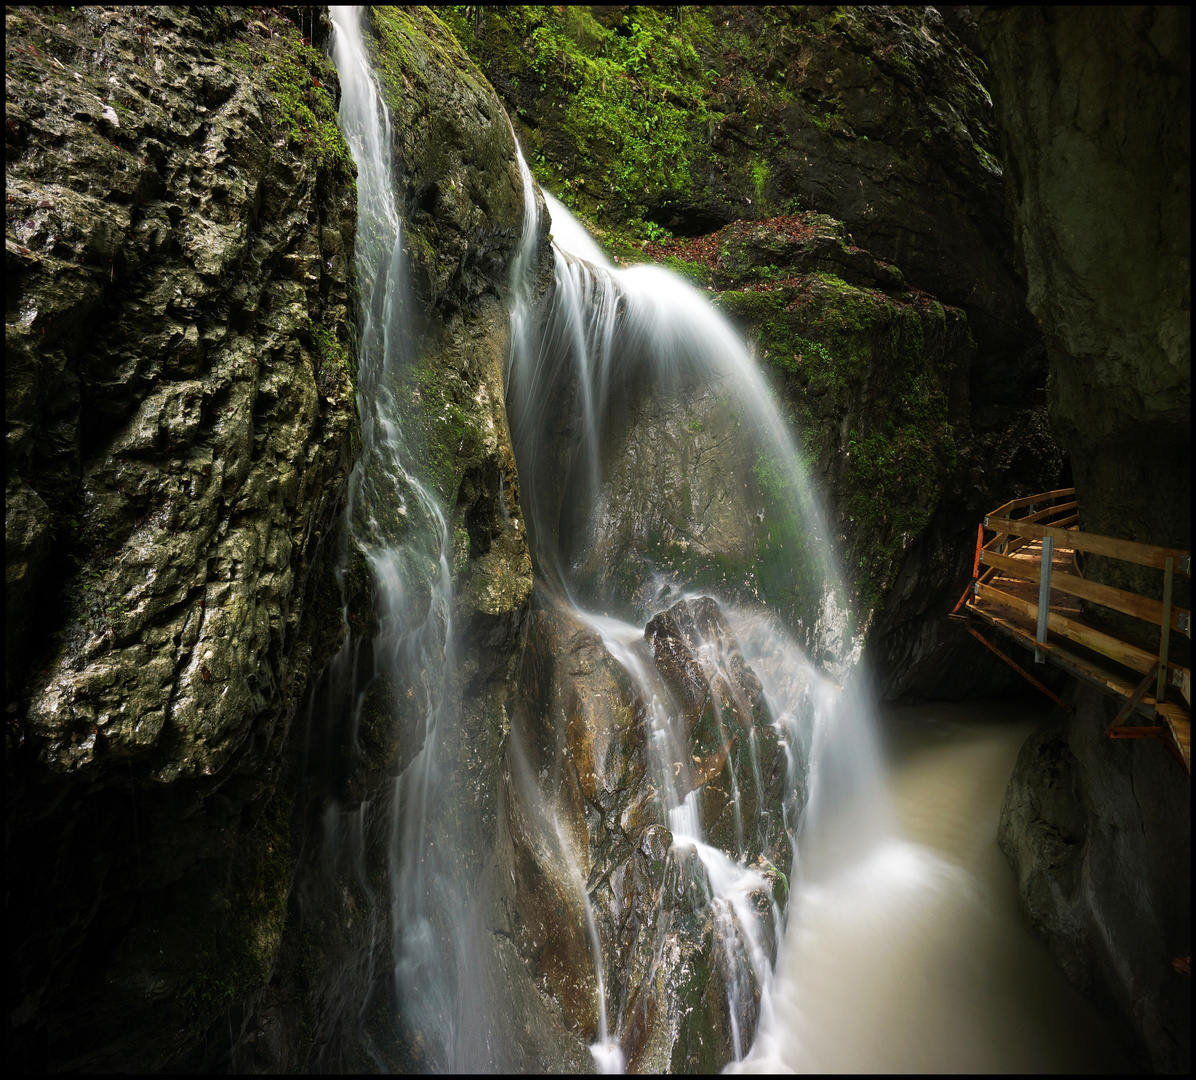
column 1044, row 612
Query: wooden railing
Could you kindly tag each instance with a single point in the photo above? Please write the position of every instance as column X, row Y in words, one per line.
column 1049, row 524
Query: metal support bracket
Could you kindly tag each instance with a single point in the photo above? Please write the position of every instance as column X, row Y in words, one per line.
column 1044, row 600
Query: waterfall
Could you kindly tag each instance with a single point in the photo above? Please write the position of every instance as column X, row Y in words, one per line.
column 394, row 523
column 612, row 339
column 607, row 350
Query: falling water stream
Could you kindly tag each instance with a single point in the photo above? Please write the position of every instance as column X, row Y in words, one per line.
column 884, row 923
column 396, row 524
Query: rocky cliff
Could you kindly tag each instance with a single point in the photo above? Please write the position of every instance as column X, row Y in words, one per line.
column 181, row 419
column 1094, row 110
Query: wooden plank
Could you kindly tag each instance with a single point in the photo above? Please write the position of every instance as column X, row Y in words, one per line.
column 1044, row 598
column 1165, row 633
column 1030, row 500
column 1181, row 732
column 1049, row 512
column 1085, row 670
column 1177, row 717
column 1105, row 644
column 1018, row 668
column 1129, row 550
column 1128, row 603
column 1134, row 698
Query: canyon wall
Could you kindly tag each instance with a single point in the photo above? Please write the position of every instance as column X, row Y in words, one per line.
column 181, row 420
column 1094, row 109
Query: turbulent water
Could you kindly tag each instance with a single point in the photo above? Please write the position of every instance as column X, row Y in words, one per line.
column 912, row 956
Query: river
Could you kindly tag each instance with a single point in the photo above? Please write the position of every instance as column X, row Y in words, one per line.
column 915, row 957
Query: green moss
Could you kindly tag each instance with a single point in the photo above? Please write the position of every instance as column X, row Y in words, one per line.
column 759, row 172
column 335, row 369
column 693, row 272
column 631, row 102
column 836, row 351
column 299, row 78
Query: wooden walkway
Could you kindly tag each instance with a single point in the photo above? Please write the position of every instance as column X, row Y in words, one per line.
column 1044, row 612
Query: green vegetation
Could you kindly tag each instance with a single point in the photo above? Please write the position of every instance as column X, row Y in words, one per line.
column 334, row 368
column 299, row 78
column 631, row 101
column 840, row 351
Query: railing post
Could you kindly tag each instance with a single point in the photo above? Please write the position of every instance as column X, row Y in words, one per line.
column 1165, row 636
column 1044, row 600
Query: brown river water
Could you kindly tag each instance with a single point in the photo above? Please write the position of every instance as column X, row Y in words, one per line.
column 913, row 956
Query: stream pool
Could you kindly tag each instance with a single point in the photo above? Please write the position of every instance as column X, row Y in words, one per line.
column 913, row 957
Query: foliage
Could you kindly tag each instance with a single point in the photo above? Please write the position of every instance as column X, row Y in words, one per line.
column 632, row 101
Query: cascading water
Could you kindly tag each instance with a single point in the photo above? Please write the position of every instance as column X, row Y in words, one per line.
column 394, row 524
column 659, row 780
column 611, row 340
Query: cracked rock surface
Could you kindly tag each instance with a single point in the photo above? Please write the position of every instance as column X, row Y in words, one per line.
column 180, row 217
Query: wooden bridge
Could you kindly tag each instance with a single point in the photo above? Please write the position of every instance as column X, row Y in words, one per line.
column 1027, row 585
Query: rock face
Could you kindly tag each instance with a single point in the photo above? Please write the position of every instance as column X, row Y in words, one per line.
column 1094, row 108
column 696, row 119
column 180, row 403
column 1101, row 172
column 1098, row 831
column 182, row 418
column 581, row 766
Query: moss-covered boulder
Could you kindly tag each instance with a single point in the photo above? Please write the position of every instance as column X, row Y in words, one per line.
column 648, row 119
column 876, row 378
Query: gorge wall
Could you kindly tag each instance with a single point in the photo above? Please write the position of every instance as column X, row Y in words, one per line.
column 1094, row 109
column 182, row 424
column 181, row 420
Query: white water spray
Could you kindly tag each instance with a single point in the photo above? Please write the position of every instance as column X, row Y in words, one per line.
column 396, row 524
column 609, row 330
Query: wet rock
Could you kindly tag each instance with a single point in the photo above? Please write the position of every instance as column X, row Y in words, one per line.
column 679, row 493
column 181, row 422
column 1097, row 832
column 582, row 767
column 750, row 251
column 737, row 759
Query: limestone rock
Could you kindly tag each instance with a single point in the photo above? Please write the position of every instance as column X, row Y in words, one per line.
column 181, row 417
column 666, row 975
column 1097, row 831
